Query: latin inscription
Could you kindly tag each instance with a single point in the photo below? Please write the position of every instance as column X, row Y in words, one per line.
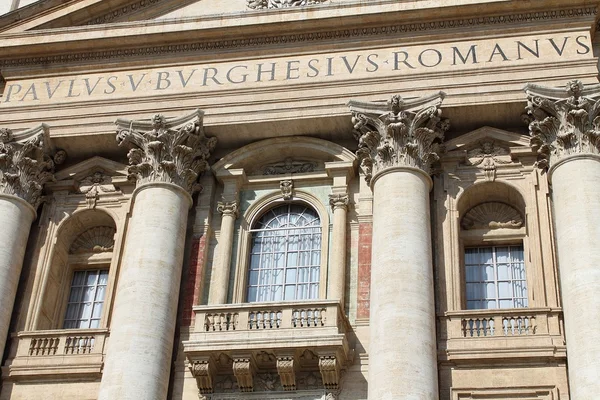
column 318, row 68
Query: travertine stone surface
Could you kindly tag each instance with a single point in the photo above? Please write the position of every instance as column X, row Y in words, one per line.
column 337, row 270
column 138, row 359
column 577, row 227
column 564, row 131
column 402, row 350
column 16, row 216
column 229, row 212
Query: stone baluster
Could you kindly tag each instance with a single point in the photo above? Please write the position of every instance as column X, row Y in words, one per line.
column 229, row 210
column 166, row 158
column 565, row 131
column 24, row 169
column 397, row 143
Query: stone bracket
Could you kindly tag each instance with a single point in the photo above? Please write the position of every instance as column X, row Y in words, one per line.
column 244, row 370
column 286, row 368
column 330, row 371
column 204, row 372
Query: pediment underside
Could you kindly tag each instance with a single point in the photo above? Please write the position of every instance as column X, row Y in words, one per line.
column 55, row 14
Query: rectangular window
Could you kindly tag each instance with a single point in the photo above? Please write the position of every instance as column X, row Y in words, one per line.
column 495, row 277
column 86, row 298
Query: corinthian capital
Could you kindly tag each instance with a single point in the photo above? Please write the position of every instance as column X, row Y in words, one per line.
column 167, row 150
column 563, row 122
column 398, row 133
column 338, row 201
column 25, row 165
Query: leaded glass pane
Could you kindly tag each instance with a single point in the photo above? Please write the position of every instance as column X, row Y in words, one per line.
column 285, row 255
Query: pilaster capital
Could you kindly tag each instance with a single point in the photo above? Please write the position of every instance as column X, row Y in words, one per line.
column 398, row 133
column 228, row 208
column 25, row 163
column 167, row 150
column 338, row 200
column 563, row 122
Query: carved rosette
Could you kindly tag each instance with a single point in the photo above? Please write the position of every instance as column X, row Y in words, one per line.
column 228, row 208
column 287, row 372
column 338, row 201
column 173, row 151
column 24, row 165
column 563, row 122
column 399, row 133
column 243, row 369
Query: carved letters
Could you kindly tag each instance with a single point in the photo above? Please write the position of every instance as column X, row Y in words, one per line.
column 403, row 133
column 173, row 151
column 563, row 122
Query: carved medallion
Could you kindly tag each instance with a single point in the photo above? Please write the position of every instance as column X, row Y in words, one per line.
column 487, row 155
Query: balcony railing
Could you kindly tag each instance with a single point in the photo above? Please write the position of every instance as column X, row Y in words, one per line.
column 248, row 340
column 44, row 353
column 501, row 333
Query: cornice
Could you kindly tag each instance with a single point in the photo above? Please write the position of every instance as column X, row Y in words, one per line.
column 337, row 35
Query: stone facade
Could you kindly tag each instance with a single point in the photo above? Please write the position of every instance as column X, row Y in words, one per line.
column 358, row 200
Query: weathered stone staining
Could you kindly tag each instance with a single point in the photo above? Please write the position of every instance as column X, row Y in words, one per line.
column 397, row 145
column 565, row 132
column 166, row 159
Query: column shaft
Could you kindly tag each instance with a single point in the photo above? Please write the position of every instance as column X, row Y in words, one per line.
column 402, row 346
column 337, row 269
column 16, row 216
column 142, row 327
column 220, row 279
column 576, row 196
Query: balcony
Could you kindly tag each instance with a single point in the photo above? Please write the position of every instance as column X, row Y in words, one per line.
column 47, row 354
column 269, row 346
column 501, row 334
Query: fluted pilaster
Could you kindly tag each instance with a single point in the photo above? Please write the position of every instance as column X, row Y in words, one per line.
column 397, row 144
column 565, row 130
column 166, row 159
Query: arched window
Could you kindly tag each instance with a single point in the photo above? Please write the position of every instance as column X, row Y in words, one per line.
column 285, row 255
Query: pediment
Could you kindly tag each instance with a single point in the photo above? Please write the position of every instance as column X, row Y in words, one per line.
column 84, row 169
column 473, row 139
column 54, row 14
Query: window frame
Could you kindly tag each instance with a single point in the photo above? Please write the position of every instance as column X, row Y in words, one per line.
column 257, row 210
column 496, row 280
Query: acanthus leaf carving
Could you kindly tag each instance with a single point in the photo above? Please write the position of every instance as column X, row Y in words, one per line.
column 173, row 151
column 563, row 122
column 25, row 165
column 338, row 200
column 402, row 133
column 228, row 208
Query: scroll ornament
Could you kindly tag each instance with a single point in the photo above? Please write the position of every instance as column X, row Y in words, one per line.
column 563, row 123
column 175, row 155
column 25, row 167
column 402, row 136
column 263, row 4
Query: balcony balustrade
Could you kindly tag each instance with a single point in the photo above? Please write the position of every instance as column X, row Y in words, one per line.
column 42, row 354
column 501, row 334
column 286, row 344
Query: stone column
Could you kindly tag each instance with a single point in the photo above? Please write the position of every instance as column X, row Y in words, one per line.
column 24, row 169
column 337, row 264
column 396, row 146
column 565, row 131
column 166, row 159
column 228, row 208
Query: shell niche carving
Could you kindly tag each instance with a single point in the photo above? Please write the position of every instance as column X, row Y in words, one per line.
column 492, row 215
column 95, row 240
